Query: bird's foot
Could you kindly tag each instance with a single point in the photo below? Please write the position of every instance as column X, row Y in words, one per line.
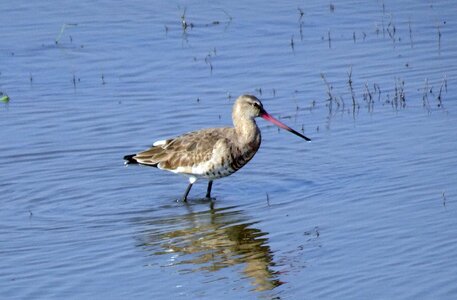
column 208, row 197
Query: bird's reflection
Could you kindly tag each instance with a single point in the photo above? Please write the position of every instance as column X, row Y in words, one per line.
column 211, row 240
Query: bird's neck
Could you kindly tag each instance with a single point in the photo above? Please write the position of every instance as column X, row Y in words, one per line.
column 246, row 130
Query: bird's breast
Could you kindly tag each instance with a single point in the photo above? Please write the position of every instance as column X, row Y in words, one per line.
column 228, row 158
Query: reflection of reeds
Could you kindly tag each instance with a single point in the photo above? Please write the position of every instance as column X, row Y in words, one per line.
column 443, row 85
column 382, row 21
column 329, row 88
column 367, row 96
column 427, row 89
column 300, row 21
column 185, row 24
column 292, row 45
column 351, row 89
column 439, row 39
column 410, row 33
column 391, row 30
column 331, row 97
column 377, row 89
column 301, row 12
column 208, row 58
column 372, row 94
column 400, row 97
column 329, row 40
column 425, row 102
column 62, row 29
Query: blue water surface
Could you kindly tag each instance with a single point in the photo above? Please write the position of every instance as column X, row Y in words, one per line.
column 366, row 210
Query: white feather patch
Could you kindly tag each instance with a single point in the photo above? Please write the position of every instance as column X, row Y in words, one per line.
column 159, row 143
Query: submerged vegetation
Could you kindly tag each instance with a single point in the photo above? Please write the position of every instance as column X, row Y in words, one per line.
column 4, row 98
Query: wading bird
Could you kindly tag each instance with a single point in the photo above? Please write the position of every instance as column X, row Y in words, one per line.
column 215, row 152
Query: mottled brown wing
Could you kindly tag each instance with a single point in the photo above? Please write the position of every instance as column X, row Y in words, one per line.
column 184, row 151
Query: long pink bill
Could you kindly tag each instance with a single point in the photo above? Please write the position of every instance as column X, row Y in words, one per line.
column 270, row 118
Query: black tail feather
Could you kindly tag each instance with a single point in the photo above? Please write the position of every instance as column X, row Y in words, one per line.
column 129, row 159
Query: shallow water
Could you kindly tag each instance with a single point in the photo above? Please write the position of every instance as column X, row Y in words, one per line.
column 367, row 209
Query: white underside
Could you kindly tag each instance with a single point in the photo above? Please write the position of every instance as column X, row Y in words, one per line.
column 201, row 170
column 183, row 171
column 192, row 179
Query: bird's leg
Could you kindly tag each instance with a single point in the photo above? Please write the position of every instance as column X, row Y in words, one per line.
column 208, row 191
column 192, row 179
column 184, row 198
